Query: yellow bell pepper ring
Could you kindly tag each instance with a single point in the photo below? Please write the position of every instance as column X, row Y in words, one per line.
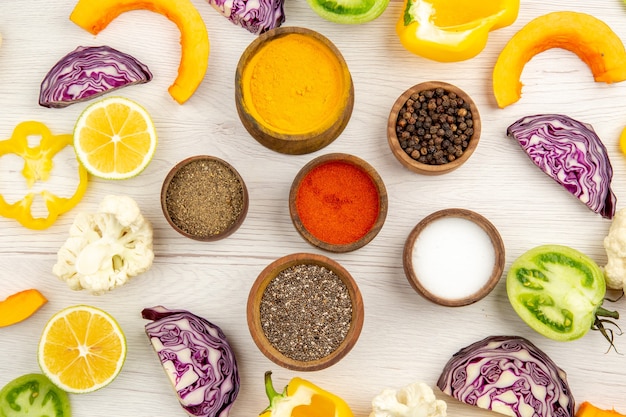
column 38, row 165
column 452, row 30
column 302, row 398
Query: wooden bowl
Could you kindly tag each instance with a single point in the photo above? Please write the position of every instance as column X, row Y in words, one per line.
column 254, row 312
column 372, row 222
column 473, row 253
column 275, row 133
column 189, row 195
column 406, row 151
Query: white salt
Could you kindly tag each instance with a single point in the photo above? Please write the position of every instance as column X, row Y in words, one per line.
column 453, row 258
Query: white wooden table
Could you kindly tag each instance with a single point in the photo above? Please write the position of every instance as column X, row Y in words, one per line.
column 405, row 338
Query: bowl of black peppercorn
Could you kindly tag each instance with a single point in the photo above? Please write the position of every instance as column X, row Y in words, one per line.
column 433, row 128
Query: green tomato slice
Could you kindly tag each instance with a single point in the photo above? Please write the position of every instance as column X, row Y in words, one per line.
column 33, row 395
column 556, row 290
column 349, row 11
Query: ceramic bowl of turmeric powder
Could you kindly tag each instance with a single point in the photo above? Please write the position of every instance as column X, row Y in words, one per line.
column 338, row 202
column 293, row 90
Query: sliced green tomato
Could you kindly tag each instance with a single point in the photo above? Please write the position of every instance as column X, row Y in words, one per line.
column 33, row 395
column 556, row 290
column 349, row 11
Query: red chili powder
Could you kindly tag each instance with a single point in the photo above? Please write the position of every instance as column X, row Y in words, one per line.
column 337, row 202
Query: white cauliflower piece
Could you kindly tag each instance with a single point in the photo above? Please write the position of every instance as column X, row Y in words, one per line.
column 414, row 400
column 105, row 249
column 615, row 247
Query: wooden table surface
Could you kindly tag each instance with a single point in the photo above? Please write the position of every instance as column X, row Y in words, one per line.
column 405, row 338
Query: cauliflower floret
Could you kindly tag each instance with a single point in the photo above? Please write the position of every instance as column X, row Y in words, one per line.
column 615, row 246
column 414, row 400
column 105, row 249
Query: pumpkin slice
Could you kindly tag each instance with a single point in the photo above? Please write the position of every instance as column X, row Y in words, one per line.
column 94, row 16
column 591, row 39
column 20, row 306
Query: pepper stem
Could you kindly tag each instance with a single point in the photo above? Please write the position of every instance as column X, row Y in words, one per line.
column 272, row 394
column 269, row 387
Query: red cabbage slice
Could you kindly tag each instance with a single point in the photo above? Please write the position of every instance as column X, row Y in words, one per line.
column 508, row 375
column 256, row 16
column 197, row 358
column 572, row 154
column 89, row 72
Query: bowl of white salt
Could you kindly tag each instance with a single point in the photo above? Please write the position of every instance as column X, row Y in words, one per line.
column 454, row 257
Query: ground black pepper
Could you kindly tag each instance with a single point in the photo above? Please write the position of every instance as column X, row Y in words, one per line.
column 204, row 198
column 434, row 126
column 306, row 312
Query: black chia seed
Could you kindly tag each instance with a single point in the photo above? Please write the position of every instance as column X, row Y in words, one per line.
column 306, row 312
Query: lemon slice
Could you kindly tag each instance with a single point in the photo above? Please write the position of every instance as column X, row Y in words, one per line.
column 82, row 349
column 115, row 138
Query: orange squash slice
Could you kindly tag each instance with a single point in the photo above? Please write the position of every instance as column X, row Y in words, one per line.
column 20, row 306
column 590, row 38
column 94, row 16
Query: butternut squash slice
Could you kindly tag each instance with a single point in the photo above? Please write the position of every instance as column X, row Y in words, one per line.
column 588, row 37
column 94, row 16
column 20, row 306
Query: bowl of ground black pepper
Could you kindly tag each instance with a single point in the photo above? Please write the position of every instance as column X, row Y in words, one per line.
column 305, row 312
column 338, row 202
column 433, row 128
column 204, row 198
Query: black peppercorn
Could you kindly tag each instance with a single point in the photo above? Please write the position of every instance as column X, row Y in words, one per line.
column 439, row 125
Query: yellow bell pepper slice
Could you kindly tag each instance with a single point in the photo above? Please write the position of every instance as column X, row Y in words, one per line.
column 301, row 398
column 38, row 164
column 452, row 30
column 622, row 141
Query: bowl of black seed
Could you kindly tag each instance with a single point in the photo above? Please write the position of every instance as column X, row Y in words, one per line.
column 305, row 312
column 204, row 198
column 433, row 128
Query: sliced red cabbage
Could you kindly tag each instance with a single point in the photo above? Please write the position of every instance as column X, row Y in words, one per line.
column 89, row 72
column 508, row 375
column 197, row 358
column 572, row 154
column 256, row 16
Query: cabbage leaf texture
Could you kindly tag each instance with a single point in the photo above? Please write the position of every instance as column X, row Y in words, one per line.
column 572, row 154
column 197, row 358
column 256, row 16
column 508, row 375
column 89, row 72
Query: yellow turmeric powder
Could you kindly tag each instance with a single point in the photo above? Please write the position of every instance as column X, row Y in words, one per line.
column 296, row 85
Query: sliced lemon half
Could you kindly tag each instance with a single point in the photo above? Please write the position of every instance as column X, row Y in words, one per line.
column 82, row 349
column 115, row 138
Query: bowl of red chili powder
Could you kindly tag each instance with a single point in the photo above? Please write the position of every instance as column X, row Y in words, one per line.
column 338, row 202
